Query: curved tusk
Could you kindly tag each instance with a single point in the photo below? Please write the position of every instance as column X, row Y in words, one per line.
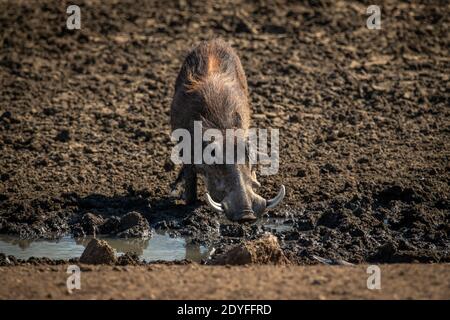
column 272, row 203
column 216, row 206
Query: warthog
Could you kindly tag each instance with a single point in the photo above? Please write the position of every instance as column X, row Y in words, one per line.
column 211, row 87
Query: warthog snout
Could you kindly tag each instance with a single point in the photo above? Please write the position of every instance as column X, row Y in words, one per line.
column 237, row 199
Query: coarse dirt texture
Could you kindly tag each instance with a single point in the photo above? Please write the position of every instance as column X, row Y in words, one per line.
column 398, row 281
column 363, row 118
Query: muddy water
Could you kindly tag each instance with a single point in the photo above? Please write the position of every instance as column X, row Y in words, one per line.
column 277, row 224
column 159, row 247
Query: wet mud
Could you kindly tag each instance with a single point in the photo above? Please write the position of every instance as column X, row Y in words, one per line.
column 363, row 118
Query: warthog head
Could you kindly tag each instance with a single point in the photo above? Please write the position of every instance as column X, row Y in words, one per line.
column 231, row 189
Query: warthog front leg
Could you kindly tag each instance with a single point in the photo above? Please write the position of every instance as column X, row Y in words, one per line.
column 188, row 175
column 190, row 184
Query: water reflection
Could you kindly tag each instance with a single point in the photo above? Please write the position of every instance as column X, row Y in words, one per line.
column 277, row 224
column 159, row 247
column 196, row 252
column 121, row 245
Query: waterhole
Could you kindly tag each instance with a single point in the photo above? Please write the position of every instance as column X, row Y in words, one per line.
column 161, row 246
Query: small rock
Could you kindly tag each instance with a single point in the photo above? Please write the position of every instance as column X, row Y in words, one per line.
column 265, row 250
column 130, row 220
column 49, row 111
column 231, row 230
column 4, row 260
column 110, row 226
column 63, row 136
column 129, row 258
column 135, row 232
column 292, row 235
column 305, row 224
column 330, row 219
column 133, row 225
column 86, row 268
column 78, row 231
column 301, row 173
column 329, row 168
column 90, row 223
column 363, row 160
column 161, row 225
column 385, row 252
column 169, row 166
column 98, row 252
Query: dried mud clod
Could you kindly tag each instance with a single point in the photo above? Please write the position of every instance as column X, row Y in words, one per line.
column 265, row 250
column 131, row 225
column 98, row 252
column 129, row 258
column 5, row 260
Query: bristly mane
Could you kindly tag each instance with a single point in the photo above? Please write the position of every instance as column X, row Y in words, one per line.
column 211, row 79
column 217, row 96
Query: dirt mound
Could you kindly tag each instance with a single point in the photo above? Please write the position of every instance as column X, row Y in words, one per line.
column 129, row 258
column 131, row 225
column 265, row 250
column 98, row 252
column 89, row 225
column 5, row 260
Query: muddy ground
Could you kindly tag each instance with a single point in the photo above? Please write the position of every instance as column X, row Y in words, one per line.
column 398, row 281
column 363, row 118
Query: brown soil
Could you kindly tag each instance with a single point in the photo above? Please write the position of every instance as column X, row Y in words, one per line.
column 413, row 281
column 363, row 114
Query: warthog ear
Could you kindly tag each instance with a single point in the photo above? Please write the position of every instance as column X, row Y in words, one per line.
column 255, row 182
